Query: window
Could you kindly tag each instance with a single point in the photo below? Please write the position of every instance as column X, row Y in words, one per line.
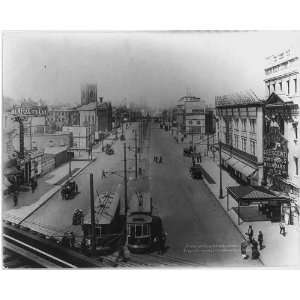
column 198, row 122
column 296, row 165
column 252, row 147
column 244, row 144
column 295, row 84
column 252, row 125
column 274, row 87
column 236, row 141
column 236, row 121
column 280, row 86
column 244, row 124
column 269, row 90
column 288, row 87
column 190, row 122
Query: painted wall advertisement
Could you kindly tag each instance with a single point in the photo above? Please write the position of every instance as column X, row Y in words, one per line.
column 275, row 155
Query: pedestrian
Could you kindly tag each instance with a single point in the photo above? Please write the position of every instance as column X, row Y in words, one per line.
column 282, row 229
column 260, row 239
column 32, row 185
column 244, row 246
column 255, row 252
column 250, row 233
column 15, row 198
column 161, row 243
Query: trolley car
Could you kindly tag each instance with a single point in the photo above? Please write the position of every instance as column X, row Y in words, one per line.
column 142, row 227
column 108, row 224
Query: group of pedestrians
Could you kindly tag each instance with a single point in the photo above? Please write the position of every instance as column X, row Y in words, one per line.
column 254, row 244
column 157, row 159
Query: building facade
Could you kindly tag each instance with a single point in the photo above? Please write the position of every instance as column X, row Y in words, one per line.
column 63, row 116
column 239, row 132
column 194, row 115
column 281, row 136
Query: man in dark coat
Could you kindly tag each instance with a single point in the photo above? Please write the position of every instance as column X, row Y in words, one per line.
column 250, row 233
column 260, row 239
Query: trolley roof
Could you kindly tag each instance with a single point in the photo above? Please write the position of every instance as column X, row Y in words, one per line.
column 105, row 208
column 139, row 219
column 140, row 203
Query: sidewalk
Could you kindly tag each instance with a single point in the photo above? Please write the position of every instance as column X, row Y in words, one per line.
column 48, row 185
column 279, row 251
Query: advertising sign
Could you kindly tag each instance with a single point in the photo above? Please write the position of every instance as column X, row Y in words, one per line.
column 275, row 154
column 36, row 111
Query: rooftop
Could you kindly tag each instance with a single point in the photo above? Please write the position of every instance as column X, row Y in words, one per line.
column 240, row 98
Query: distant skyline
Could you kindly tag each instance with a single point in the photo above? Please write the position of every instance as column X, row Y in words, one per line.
column 152, row 68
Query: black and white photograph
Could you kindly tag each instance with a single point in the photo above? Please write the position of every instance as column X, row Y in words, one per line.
column 150, row 149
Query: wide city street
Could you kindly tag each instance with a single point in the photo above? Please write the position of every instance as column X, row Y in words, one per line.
column 198, row 228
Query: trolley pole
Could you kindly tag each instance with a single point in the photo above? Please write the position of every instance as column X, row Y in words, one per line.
column 125, row 194
column 220, row 165
column 135, row 156
column 92, row 215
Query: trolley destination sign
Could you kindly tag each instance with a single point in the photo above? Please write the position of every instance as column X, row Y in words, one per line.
column 36, row 111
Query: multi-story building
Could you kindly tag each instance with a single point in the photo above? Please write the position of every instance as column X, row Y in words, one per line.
column 281, row 136
column 194, row 115
column 239, row 131
column 58, row 117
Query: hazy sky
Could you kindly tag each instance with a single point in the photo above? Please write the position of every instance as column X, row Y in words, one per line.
column 156, row 68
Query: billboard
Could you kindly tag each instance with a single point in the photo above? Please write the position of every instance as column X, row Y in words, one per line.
column 35, row 111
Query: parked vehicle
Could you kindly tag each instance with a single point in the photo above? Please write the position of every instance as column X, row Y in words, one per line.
column 69, row 190
column 196, row 171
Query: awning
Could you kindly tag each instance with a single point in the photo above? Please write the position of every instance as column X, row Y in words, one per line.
column 256, row 194
column 241, row 167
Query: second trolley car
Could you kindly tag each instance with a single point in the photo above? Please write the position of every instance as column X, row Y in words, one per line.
column 143, row 229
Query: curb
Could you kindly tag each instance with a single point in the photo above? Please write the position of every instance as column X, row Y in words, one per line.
column 57, row 188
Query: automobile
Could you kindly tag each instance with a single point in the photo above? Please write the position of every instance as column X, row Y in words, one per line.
column 196, row 171
column 109, row 151
column 188, row 151
column 69, row 190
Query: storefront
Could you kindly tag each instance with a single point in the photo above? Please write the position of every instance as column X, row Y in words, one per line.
column 267, row 202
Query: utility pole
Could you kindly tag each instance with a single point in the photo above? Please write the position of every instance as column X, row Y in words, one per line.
column 92, row 215
column 207, row 142
column 135, row 155
column 220, row 165
column 125, row 193
column 70, row 166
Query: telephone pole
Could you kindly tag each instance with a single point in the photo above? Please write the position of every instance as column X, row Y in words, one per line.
column 92, row 215
column 135, row 155
column 220, row 165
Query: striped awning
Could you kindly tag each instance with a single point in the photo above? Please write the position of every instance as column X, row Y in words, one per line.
column 241, row 167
